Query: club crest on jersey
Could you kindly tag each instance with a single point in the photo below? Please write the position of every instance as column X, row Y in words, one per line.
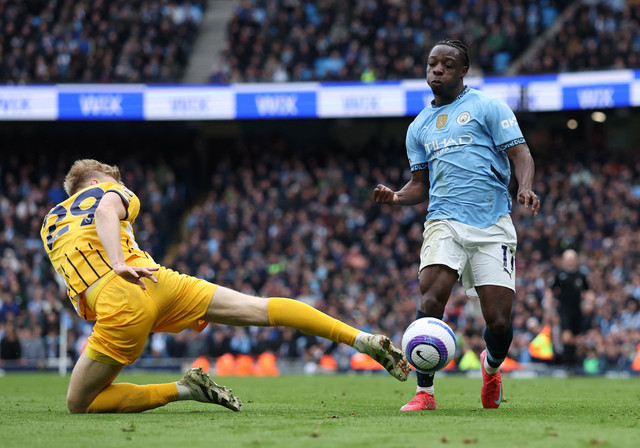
column 463, row 118
column 441, row 121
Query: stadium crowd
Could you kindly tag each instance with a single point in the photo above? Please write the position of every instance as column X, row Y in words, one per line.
column 372, row 39
column 105, row 41
column 278, row 222
column 150, row 41
column 282, row 223
column 597, row 35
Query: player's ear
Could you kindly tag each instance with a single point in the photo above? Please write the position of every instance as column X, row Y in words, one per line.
column 94, row 182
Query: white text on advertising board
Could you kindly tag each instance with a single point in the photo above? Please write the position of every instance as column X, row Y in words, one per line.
column 101, row 105
column 361, row 103
column 189, row 104
column 15, row 104
column 268, row 105
column 596, row 97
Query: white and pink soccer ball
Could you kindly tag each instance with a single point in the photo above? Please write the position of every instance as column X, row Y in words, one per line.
column 429, row 344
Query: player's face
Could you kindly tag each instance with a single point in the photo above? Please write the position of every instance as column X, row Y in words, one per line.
column 445, row 71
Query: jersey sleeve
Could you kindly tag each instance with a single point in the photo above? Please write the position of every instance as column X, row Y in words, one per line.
column 415, row 151
column 555, row 282
column 585, row 283
column 129, row 199
column 502, row 125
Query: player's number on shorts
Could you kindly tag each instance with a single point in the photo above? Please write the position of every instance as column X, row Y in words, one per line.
column 76, row 210
column 509, row 266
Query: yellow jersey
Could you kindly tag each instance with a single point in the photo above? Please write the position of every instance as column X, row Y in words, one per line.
column 72, row 244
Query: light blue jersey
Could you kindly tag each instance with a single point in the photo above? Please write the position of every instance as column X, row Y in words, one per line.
column 462, row 144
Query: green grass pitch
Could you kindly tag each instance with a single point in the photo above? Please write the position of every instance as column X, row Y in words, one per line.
column 334, row 411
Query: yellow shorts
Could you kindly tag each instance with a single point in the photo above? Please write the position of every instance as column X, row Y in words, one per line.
column 126, row 313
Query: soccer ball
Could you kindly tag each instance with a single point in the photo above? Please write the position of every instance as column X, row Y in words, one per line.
column 429, row 344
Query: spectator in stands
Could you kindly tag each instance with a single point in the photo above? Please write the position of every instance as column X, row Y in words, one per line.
column 9, row 310
column 10, row 349
column 32, row 346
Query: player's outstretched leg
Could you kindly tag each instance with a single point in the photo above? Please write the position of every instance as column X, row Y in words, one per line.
column 491, row 394
column 380, row 348
column 205, row 390
column 423, row 401
column 234, row 308
column 299, row 315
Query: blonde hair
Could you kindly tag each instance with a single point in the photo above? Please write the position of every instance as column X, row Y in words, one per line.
column 82, row 171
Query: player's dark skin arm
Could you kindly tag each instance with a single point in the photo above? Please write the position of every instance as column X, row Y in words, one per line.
column 416, row 191
column 524, row 170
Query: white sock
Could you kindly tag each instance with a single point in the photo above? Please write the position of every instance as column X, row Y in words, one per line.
column 360, row 340
column 184, row 393
column 430, row 390
column 489, row 368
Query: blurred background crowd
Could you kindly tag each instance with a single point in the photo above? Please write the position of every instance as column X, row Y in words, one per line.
column 107, row 41
column 263, row 216
column 369, row 39
column 374, row 39
column 150, row 41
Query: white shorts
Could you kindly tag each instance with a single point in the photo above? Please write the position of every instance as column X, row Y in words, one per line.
column 480, row 256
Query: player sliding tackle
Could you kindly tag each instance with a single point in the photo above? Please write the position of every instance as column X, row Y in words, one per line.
column 90, row 242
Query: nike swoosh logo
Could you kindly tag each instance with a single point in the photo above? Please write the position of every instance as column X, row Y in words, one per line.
column 419, row 353
column 499, row 400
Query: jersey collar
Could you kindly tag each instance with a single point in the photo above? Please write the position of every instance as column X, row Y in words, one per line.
column 463, row 93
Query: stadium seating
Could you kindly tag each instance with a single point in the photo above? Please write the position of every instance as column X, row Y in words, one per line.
column 374, row 40
column 150, row 42
column 597, row 35
column 107, row 41
column 307, row 228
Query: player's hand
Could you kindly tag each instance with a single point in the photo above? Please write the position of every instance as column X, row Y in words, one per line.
column 530, row 200
column 135, row 274
column 384, row 195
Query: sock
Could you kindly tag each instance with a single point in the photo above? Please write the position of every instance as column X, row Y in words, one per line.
column 307, row 319
column 126, row 397
column 358, row 344
column 425, row 380
column 497, row 348
column 430, row 390
column 488, row 367
column 184, row 393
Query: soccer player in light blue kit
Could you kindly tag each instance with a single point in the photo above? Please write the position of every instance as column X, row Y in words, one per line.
column 463, row 142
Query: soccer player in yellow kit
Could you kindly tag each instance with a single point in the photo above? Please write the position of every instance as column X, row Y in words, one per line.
column 90, row 242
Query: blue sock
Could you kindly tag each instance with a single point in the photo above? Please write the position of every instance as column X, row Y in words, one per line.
column 425, row 379
column 497, row 345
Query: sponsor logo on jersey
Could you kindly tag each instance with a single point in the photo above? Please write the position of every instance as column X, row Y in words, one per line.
column 506, row 124
column 435, row 148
